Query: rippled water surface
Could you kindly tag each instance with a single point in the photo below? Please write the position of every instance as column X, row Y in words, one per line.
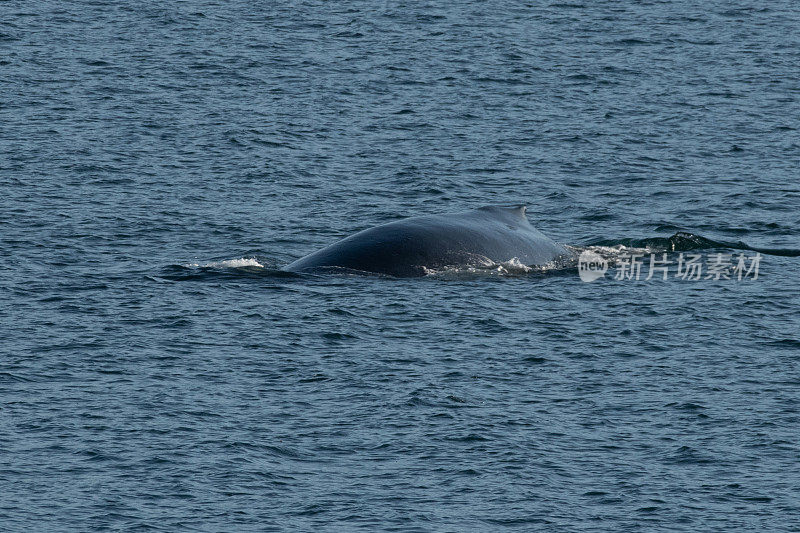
column 159, row 163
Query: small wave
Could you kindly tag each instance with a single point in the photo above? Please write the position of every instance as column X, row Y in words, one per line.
column 229, row 263
column 235, row 269
column 613, row 253
column 511, row 268
column 680, row 242
column 483, row 266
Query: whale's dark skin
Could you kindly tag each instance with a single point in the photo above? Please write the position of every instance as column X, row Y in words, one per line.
column 415, row 246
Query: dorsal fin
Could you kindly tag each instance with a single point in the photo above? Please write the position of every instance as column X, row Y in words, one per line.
column 518, row 210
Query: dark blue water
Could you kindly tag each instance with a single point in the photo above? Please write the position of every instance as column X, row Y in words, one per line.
column 160, row 161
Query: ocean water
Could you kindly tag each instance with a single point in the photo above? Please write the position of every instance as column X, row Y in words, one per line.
column 160, row 161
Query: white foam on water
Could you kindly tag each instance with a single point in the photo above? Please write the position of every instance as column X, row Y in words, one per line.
column 613, row 254
column 512, row 267
column 229, row 263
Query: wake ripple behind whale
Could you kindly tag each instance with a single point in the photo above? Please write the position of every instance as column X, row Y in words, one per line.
column 415, row 246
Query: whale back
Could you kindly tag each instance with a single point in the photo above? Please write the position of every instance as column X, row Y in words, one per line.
column 414, row 246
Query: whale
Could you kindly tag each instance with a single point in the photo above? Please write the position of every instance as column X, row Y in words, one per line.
column 418, row 246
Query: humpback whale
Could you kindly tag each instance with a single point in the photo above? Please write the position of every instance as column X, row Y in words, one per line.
column 416, row 246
